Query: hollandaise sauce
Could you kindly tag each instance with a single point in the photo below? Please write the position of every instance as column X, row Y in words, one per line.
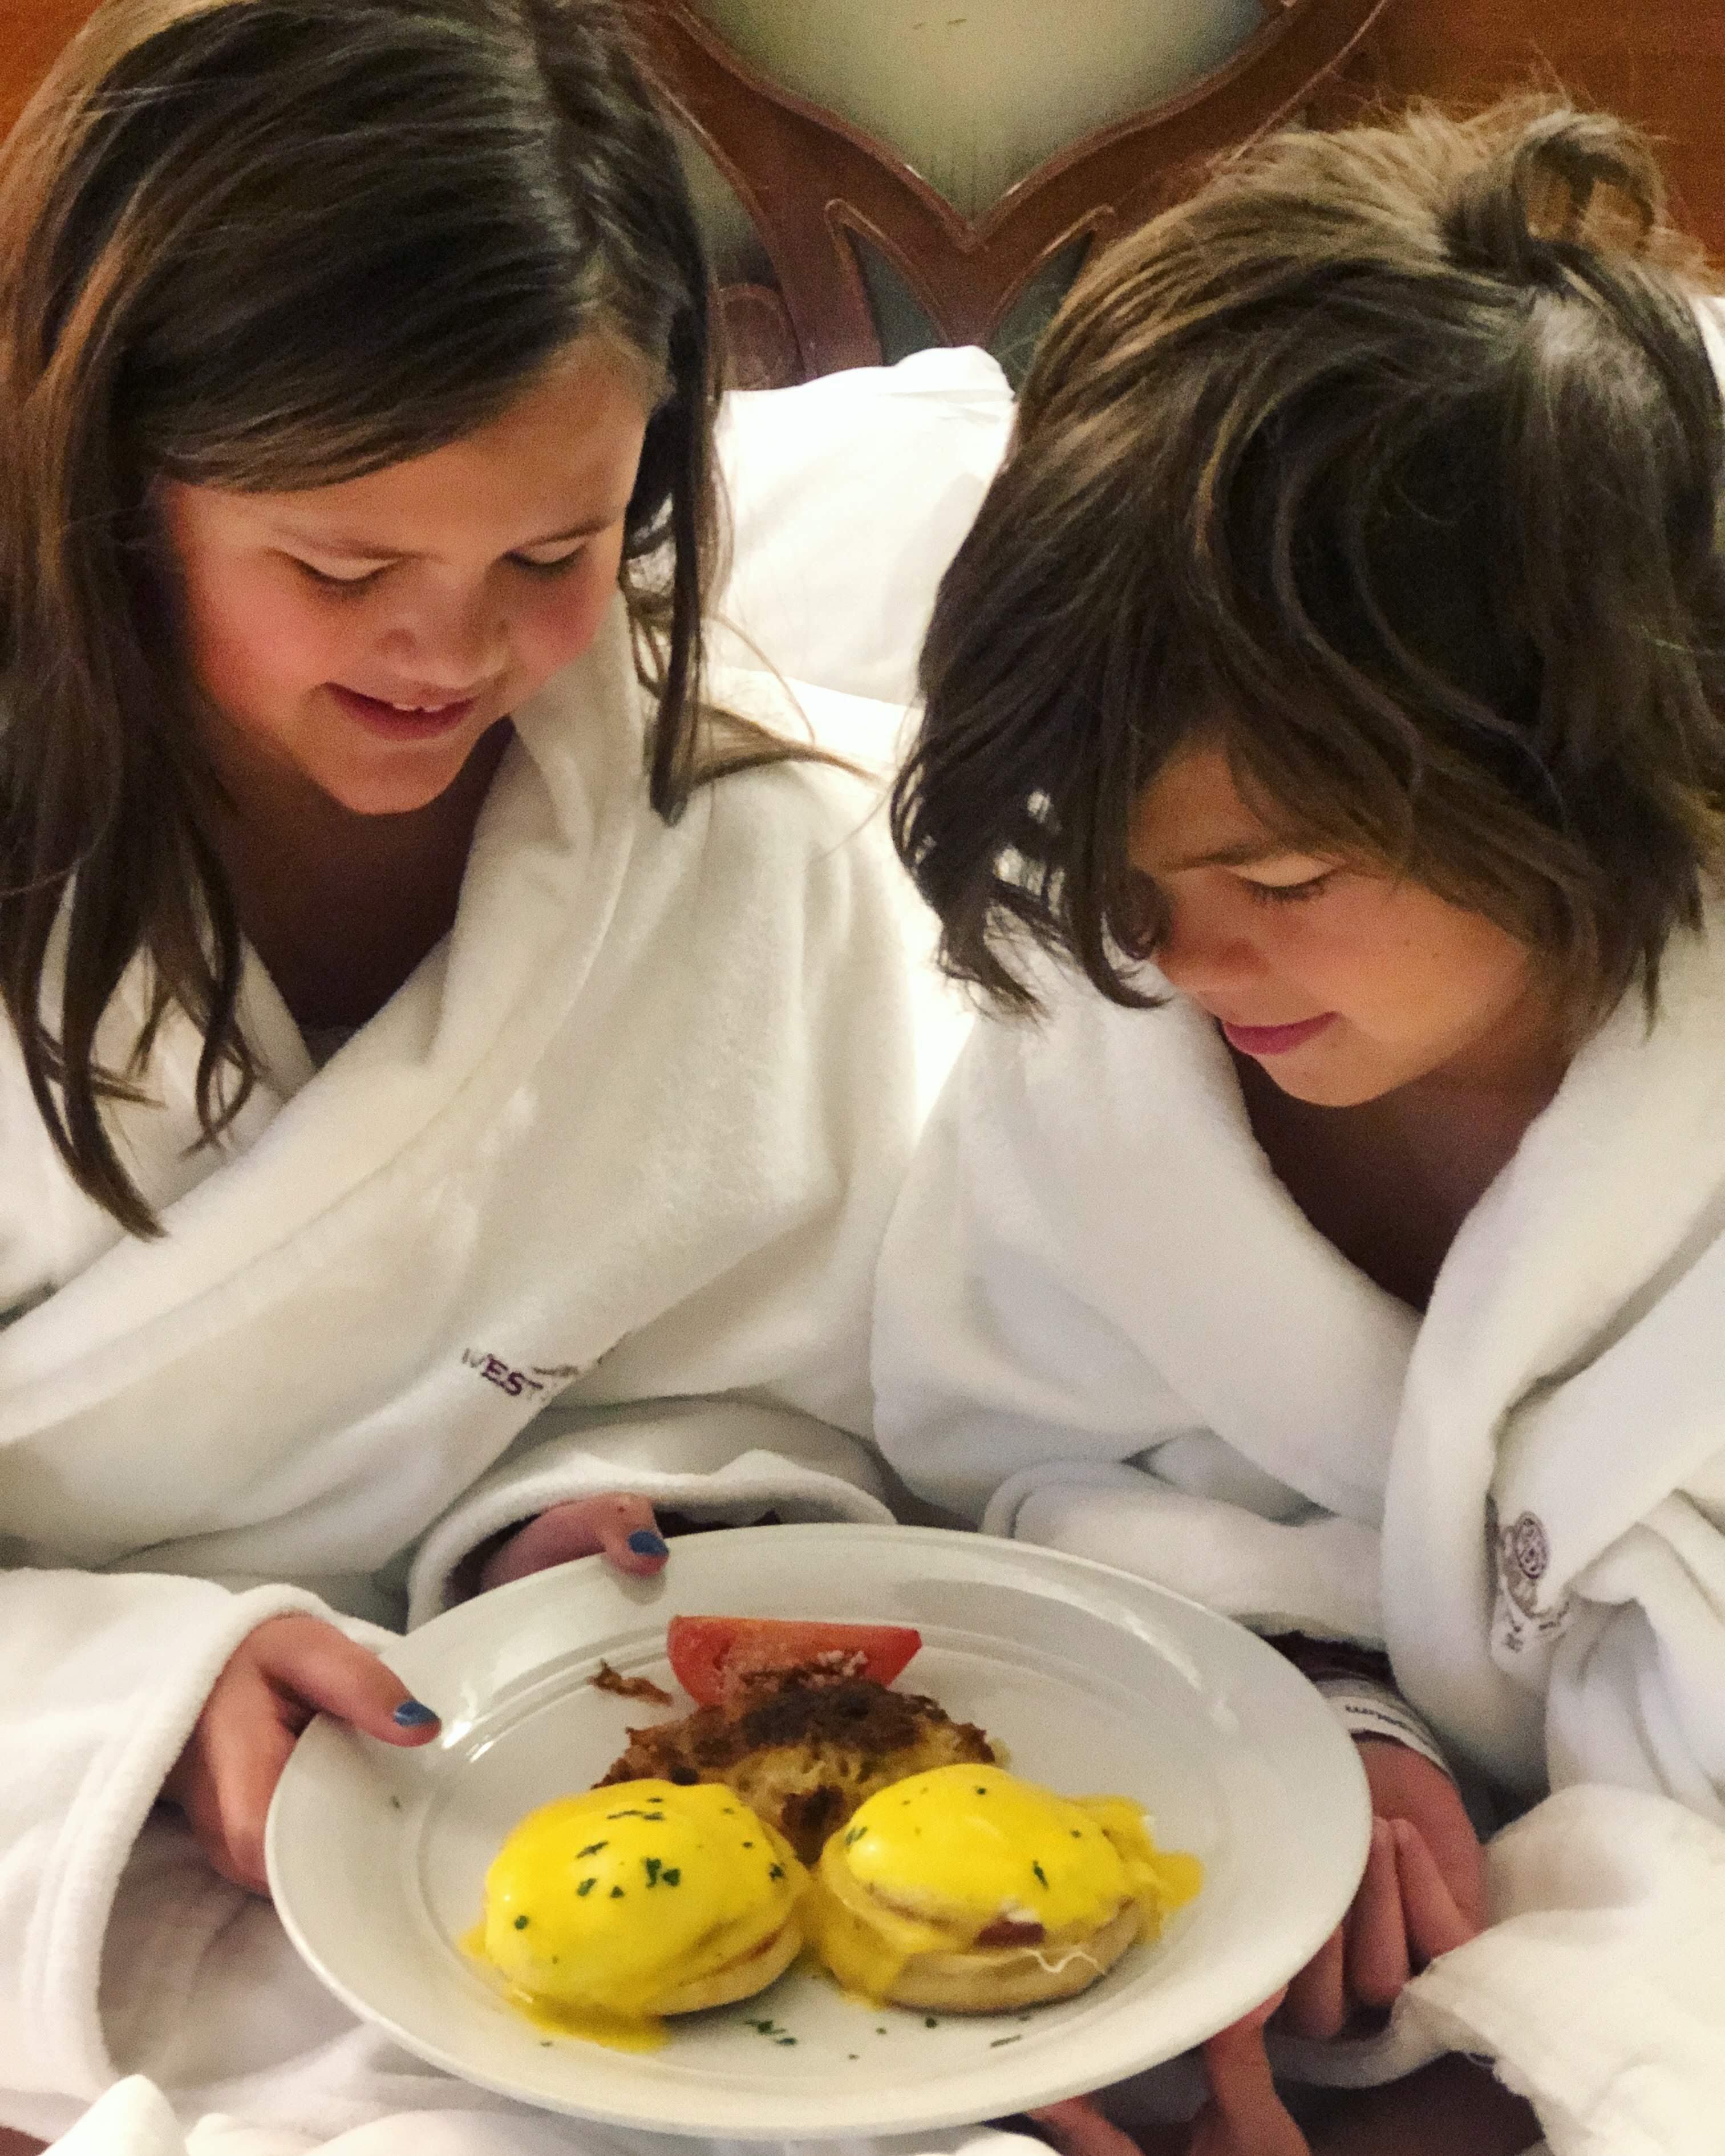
column 605, row 1912
column 973, row 1857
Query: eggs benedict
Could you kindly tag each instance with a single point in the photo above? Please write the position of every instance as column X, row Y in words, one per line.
column 968, row 1891
column 606, row 1910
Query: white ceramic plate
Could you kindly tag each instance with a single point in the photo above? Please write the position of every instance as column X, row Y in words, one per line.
column 1093, row 1681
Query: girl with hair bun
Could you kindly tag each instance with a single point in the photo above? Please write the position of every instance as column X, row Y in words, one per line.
column 1323, row 780
column 453, row 1076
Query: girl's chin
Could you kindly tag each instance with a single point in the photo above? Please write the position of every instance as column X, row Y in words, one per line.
column 1330, row 1082
column 392, row 792
column 384, row 779
column 1337, row 1089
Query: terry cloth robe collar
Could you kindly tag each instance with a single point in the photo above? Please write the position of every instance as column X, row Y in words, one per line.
column 423, row 1079
column 1567, row 1378
column 1269, row 1335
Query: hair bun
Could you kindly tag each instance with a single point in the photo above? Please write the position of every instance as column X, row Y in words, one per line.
column 1566, row 183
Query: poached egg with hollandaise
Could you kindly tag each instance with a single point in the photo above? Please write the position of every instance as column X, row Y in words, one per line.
column 968, row 1890
column 607, row 1911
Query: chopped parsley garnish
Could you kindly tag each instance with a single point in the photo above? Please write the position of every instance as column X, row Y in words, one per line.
column 656, row 1818
column 672, row 1876
column 999, row 2041
column 931, row 2021
column 980, row 1790
column 616, row 1893
column 586, row 1886
column 592, row 1849
column 520, row 1923
column 1040, row 1873
column 775, row 1871
column 855, row 1835
column 650, row 1865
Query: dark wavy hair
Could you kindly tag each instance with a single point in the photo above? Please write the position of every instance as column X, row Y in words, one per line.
column 269, row 244
column 1389, row 464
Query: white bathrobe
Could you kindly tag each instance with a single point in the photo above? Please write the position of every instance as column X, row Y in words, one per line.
column 593, row 1205
column 1102, row 1324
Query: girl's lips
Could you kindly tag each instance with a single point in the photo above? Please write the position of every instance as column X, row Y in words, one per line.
column 1275, row 1040
column 378, row 717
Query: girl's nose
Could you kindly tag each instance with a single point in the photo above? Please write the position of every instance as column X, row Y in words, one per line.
column 456, row 645
column 1204, row 959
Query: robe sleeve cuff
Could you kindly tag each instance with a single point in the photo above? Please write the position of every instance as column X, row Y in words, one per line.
column 716, row 1461
column 107, row 1674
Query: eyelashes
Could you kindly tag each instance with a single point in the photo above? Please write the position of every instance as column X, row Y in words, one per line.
column 560, row 567
column 325, row 581
column 1289, row 894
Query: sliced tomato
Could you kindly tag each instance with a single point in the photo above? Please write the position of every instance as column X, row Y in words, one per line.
column 706, row 1651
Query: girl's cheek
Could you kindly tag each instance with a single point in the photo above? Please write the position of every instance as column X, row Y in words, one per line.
column 566, row 626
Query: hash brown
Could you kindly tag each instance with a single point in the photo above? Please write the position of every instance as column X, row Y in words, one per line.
column 803, row 1748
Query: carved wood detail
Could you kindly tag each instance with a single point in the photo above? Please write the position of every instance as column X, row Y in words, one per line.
column 810, row 181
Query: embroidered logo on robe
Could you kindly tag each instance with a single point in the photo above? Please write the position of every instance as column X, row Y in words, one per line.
column 1522, row 1554
column 537, row 1377
column 498, row 1373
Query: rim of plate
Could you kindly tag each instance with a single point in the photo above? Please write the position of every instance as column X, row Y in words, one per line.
column 1334, row 1795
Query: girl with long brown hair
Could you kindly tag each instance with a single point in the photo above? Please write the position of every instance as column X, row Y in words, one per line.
column 1323, row 779
column 453, row 1079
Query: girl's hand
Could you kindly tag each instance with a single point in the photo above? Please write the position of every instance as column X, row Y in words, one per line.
column 272, row 1684
column 623, row 1527
column 1244, row 2116
column 1423, row 1893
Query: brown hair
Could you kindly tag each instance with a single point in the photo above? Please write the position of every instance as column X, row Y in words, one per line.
column 269, row 244
column 1390, row 465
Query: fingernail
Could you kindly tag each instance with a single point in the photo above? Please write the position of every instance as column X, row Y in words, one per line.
column 413, row 1714
column 644, row 1543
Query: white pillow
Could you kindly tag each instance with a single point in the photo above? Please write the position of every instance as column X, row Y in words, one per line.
column 848, row 498
column 874, row 737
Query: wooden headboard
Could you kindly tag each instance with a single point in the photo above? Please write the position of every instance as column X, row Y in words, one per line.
column 822, row 194
column 816, row 187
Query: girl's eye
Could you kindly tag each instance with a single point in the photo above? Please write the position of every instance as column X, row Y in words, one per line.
column 1288, row 894
column 329, row 582
column 559, row 566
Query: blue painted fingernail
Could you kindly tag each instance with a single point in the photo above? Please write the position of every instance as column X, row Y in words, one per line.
column 645, row 1544
column 413, row 1714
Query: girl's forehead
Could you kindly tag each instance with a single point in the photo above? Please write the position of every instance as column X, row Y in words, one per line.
column 559, row 461
column 1193, row 814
